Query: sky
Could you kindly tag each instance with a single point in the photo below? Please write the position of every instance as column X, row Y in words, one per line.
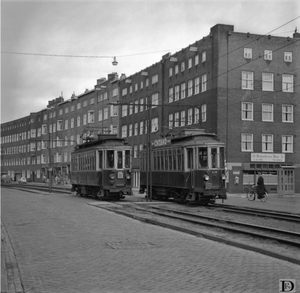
column 54, row 48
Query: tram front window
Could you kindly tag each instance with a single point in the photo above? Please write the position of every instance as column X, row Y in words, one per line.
column 120, row 160
column 110, row 159
column 127, row 159
column 214, row 158
column 222, row 158
column 202, row 157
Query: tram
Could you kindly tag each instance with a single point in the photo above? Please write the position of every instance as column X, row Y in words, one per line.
column 188, row 168
column 102, row 168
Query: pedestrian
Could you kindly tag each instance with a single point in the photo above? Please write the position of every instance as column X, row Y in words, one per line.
column 261, row 188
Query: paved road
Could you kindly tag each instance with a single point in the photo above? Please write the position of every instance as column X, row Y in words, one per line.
column 61, row 244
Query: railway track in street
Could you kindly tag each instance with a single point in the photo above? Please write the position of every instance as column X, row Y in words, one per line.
column 277, row 243
column 258, row 212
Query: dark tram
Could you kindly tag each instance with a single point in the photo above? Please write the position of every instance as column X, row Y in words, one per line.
column 189, row 168
column 102, row 168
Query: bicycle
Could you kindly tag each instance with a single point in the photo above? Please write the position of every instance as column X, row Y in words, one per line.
column 251, row 194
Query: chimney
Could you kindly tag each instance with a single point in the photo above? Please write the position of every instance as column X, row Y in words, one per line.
column 101, row 80
column 123, row 76
column 112, row 76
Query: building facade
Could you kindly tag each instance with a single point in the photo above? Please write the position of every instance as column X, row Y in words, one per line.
column 241, row 86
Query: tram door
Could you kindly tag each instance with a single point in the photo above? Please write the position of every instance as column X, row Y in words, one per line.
column 286, row 181
column 190, row 165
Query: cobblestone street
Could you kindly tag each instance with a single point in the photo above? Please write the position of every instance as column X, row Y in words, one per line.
column 62, row 244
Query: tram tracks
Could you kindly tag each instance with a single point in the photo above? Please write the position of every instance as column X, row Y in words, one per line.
column 279, row 243
column 258, row 212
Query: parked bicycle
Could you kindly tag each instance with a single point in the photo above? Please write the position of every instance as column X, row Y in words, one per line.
column 251, row 194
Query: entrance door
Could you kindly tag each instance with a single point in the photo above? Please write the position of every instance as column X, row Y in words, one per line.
column 286, row 181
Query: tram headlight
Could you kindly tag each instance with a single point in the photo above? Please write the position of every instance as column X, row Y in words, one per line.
column 223, row 176
column 112, row 176
column 205, row 177
column 128, row 176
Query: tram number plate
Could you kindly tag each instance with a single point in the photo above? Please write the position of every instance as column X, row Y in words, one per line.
column 208, row 185
column 120, row 175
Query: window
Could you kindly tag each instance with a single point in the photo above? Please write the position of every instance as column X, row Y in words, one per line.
column 196, row 115
column 92, row 101
column 248, row 53
column 124, row 110
column 267, row 143
column 142, row 84
column 136, row 86
column 287, row 143
column 182, row 91
column 170, row 71
column 171, row 121
column 136, row 128
column 84, row 104
column 141, row 127
column 33, row 133
column 130, row 130
column 124, row 92
column 66, row 141
column 177, row 92
column 44, row 129
column 100, row 97
column 124, row 131
column 288, row 56
column 287, row 83
column 267, row 82
column 113, row 110
column 182, row 121
column 176, row 119
column 91, row 116
column 154, row 100
column 171, row 94
column 78, row 106
column 115, row 92
column 247, row 142
column 287, row 113
column 136, row 107
column 176, row 69
column 155, row 78
column 203, row 56
column 203, row 82
column 190, row 63
column 267, row 112
column 247, row 111
column 66, row 124
column 182, row 67
column 268, row 55
column 190, row 87
column 72, row 122
column 78, row 121
column 130, row 89
column 84, row 119
column 130, row 108
column 197, row 85
column 247, row 80
column 72, row 108
column 114, row 129
column 60, row 112
column 203, row 112
column 147, row 82
column 141, row 104
column 196, row 60
column 190, row 116
column 154, row 124
column 105, row 113
column 100, row 115
column 135, row 150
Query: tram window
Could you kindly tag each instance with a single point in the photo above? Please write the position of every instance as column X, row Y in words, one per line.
column 159, row 161
column 100, row 159
column 179, row 160
column 166, row 160
column 190, row 158
column 109, row 159
column 214, row 158
column 120, row 159
column 127, row 158
column 174, row 160
column 222, row 158
column 162, row 160
column 170, row 160
column 202, row 155
column 155, row 160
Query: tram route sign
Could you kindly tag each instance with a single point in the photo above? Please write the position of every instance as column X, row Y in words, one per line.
column 263, row 157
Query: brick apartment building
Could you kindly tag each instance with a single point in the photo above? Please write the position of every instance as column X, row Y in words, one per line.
column 241, row 86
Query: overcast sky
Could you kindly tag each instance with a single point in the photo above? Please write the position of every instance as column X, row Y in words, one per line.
column 137, row 32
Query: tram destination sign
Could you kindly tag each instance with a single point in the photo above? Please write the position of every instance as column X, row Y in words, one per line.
column 263, row 157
